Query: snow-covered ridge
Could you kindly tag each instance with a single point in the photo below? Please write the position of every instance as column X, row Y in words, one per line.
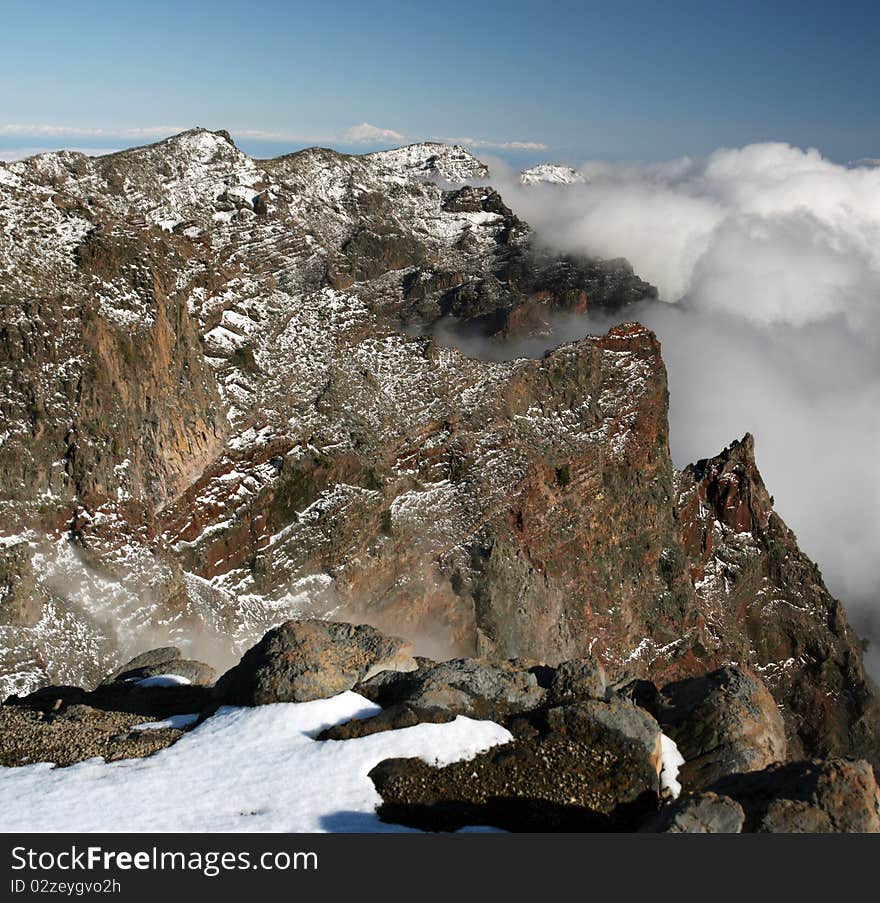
column 553, row 174
column 453, row 163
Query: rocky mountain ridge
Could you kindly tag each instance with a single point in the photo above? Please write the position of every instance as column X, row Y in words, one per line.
column 222, row 406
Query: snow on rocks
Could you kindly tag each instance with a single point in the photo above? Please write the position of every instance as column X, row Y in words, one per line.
column 164, row 680
column 551, row 174
column 450, row 162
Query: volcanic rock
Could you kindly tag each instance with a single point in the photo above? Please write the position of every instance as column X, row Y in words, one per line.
column 571, row 772
column 166, row 660
column 576, row 680
column 479, row 688
column 223, row 405
column 698, row 813
column 723, row 722
column 593, row 721
column 764, row 604
column 75, row 734
column 304, row 660
column 835, row 795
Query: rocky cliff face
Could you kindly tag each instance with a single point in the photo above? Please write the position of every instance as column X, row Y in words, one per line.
column 222, row 408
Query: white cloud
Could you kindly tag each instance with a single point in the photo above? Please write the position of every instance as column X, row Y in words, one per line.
column 366, row 133
column 498, row 145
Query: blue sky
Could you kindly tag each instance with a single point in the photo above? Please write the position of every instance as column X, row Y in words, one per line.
column 571, row 80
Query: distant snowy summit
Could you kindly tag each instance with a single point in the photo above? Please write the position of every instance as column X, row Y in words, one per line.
column 551, row 173
column 451, row 162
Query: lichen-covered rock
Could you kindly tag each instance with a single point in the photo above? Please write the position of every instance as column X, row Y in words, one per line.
column 817, row 796
column 74, row 734
column 592, row 721
column 722, row 723
column 698, row 813
column 559, row 773
column 304, row 660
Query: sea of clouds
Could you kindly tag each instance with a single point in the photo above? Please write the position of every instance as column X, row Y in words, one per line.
column 767, row 262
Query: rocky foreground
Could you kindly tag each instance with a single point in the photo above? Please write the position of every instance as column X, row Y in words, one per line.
column 222, row 406
column 705, row 754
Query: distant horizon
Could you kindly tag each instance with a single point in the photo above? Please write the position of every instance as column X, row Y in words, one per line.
column 34, row 143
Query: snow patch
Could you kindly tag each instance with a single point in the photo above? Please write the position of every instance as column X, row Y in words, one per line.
column 244, row 769
column 671, row 760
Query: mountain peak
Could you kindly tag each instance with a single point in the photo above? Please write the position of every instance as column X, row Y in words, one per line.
column 435, row 159
column 551, row 173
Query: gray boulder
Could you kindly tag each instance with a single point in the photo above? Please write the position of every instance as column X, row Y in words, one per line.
column 700, row 813
column 480, row 689
column 588, row 766
column 304, row 660
column 723, row 723
column 149, row 659
column 593, row 720
column 581, row 678
column 165, row 660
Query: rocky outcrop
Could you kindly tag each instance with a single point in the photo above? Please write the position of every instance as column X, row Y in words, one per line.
column 821, row 797
column 572, row 762
column 723, row 723
column 765, row 605
column 304, row 660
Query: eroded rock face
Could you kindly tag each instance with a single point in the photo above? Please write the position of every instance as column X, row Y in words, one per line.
column 764, row 604
column 304, row 660
column 723, row 723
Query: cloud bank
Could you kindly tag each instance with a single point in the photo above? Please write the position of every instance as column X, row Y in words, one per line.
column 768, row 260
